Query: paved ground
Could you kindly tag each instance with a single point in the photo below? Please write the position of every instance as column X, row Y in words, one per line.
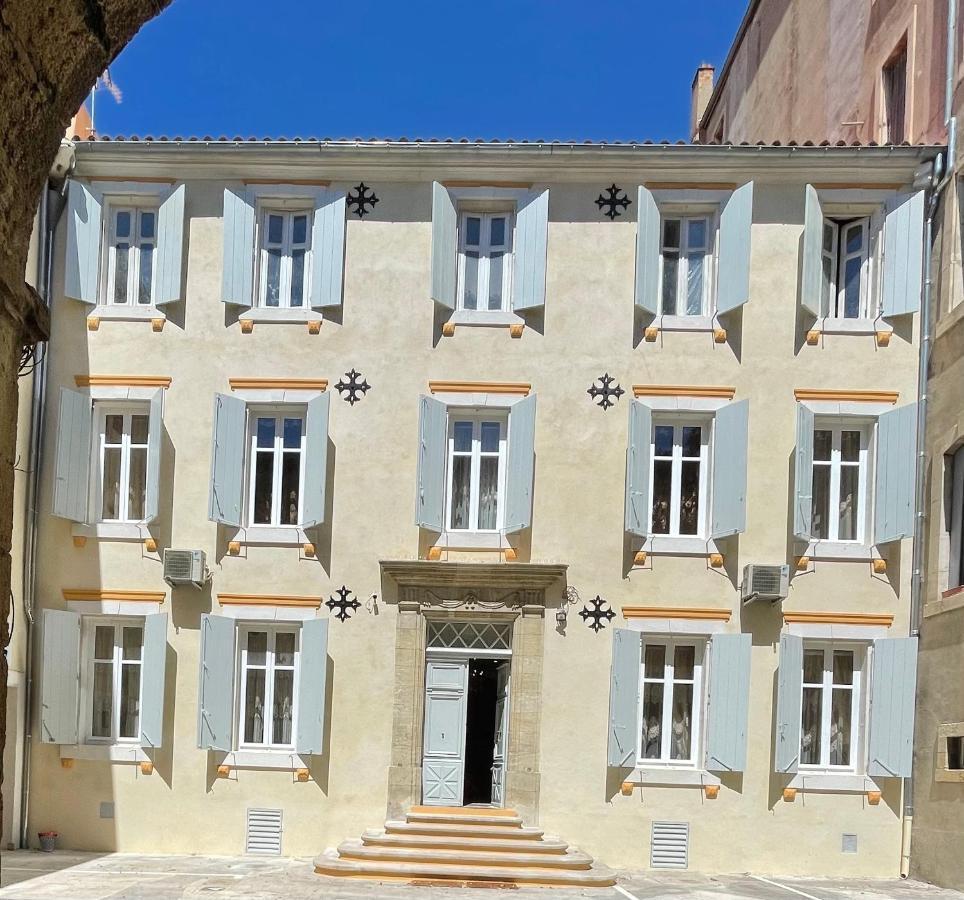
column 29, row 875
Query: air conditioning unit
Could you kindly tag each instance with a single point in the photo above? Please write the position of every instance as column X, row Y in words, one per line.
column 185, row 567
column 765, row 583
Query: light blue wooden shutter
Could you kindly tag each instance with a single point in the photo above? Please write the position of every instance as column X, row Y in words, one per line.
column 531, row 241
column 152, row 680
column 520, row 465
column 216, row 687
column 170, row 246
column 729, row 702
column 647, row 252
column 892, row 691
column 624, row 698
column 789, row 704
column 60, row 677
column 316, row 460
column 444, row 246
column 895, row 474
column 155, row 441
column 638, row 460
column 803, row 475
column 72, row 466
column 903, row 254
column 733, row 273
column 227, row 461
column 312, row 687
column 730, row 437
column 82, row 271
column 811, row 268
column 237, row 279
column 327, row 249
column 432, row 430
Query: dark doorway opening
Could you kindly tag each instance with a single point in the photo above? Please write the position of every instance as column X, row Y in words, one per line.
column 480, row 731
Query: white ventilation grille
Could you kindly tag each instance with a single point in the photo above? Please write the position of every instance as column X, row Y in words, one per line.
column 670, row 846
column 262, row 833
column 848, row 843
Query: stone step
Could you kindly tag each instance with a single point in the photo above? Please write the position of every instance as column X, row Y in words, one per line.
column 459, row 829
column 329, row 863
column 377, row 837
column 574, row 860
column 465, row 818
column 473, row 810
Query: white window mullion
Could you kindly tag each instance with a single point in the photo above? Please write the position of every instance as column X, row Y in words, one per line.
column 676, row 480
column 485, row 252
column 475, row 474
column 277, row 469
column 833, row 526
column 267, row 737
column 116, row 684
column 666, row 735
column 825, row 707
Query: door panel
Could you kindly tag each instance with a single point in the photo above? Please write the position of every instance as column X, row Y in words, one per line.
column 443, row 756
column 501, row 735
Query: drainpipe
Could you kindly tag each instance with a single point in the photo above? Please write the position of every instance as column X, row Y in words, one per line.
column 51, row 207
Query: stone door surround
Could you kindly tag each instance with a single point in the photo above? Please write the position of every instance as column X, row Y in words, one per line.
column 507, row 592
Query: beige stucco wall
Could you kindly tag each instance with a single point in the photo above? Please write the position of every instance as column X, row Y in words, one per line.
column 812, row 71
column 388, row 334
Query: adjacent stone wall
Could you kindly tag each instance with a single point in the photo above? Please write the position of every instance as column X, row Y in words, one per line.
column 51, row 52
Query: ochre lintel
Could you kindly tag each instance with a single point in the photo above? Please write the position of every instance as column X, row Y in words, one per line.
column 281, row 181
column 158, row 381
column 96, row 594
column 682, row 390
column 675, row 612
column 857, row 185
column 838, row 618
column 133, row 179
column 268, row 600
column 835, row 396
column 691, row 185
column 493, row 184
column 290, row 384
column 479, row 387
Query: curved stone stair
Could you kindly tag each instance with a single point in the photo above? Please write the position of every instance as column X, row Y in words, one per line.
column 463, row 846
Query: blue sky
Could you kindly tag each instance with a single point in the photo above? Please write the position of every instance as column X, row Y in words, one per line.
column 552, row 69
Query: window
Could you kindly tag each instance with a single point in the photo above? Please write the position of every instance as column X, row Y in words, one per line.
column 268, row 689
column 894, row 80
column 131, row 252
column 686, row 263
column 485, row 261
column 955, row 752
column 112, row 679
column 955, row 568
column 121, row 464
column 284, row 258
column 679, row 478
column 670, row 708
column 277, row 468
column 829, row 729
column 846, row 258
column 840, row 482
column 476, row 473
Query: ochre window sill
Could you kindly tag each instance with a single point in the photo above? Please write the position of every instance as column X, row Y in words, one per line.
column 115, row 753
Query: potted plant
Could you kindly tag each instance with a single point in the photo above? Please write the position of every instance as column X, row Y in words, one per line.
column 48, row 840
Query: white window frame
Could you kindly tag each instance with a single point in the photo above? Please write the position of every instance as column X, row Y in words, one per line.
column 287, row 208
column 684, row 215
column 273, row 630
column 485, row 248
column 858, row 709
column 103, row 409
column 136, row 206
column 279, row 413
column 668, row 680
column 834, row 260
column 476, row 418
column 678, row 422
column 89, row 626
column 955, row 568
column 836, row 425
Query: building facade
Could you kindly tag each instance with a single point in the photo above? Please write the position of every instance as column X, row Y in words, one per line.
column 860, row 71
column 359, row 378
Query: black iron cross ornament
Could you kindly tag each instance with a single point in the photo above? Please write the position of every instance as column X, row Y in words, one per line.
column 606, row 392
column 614, row 202
column 342, row 604
column 598, row 615
column 353, row 389
column 363, row 197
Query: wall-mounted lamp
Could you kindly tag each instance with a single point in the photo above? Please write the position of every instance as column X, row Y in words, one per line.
column 570, row 597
